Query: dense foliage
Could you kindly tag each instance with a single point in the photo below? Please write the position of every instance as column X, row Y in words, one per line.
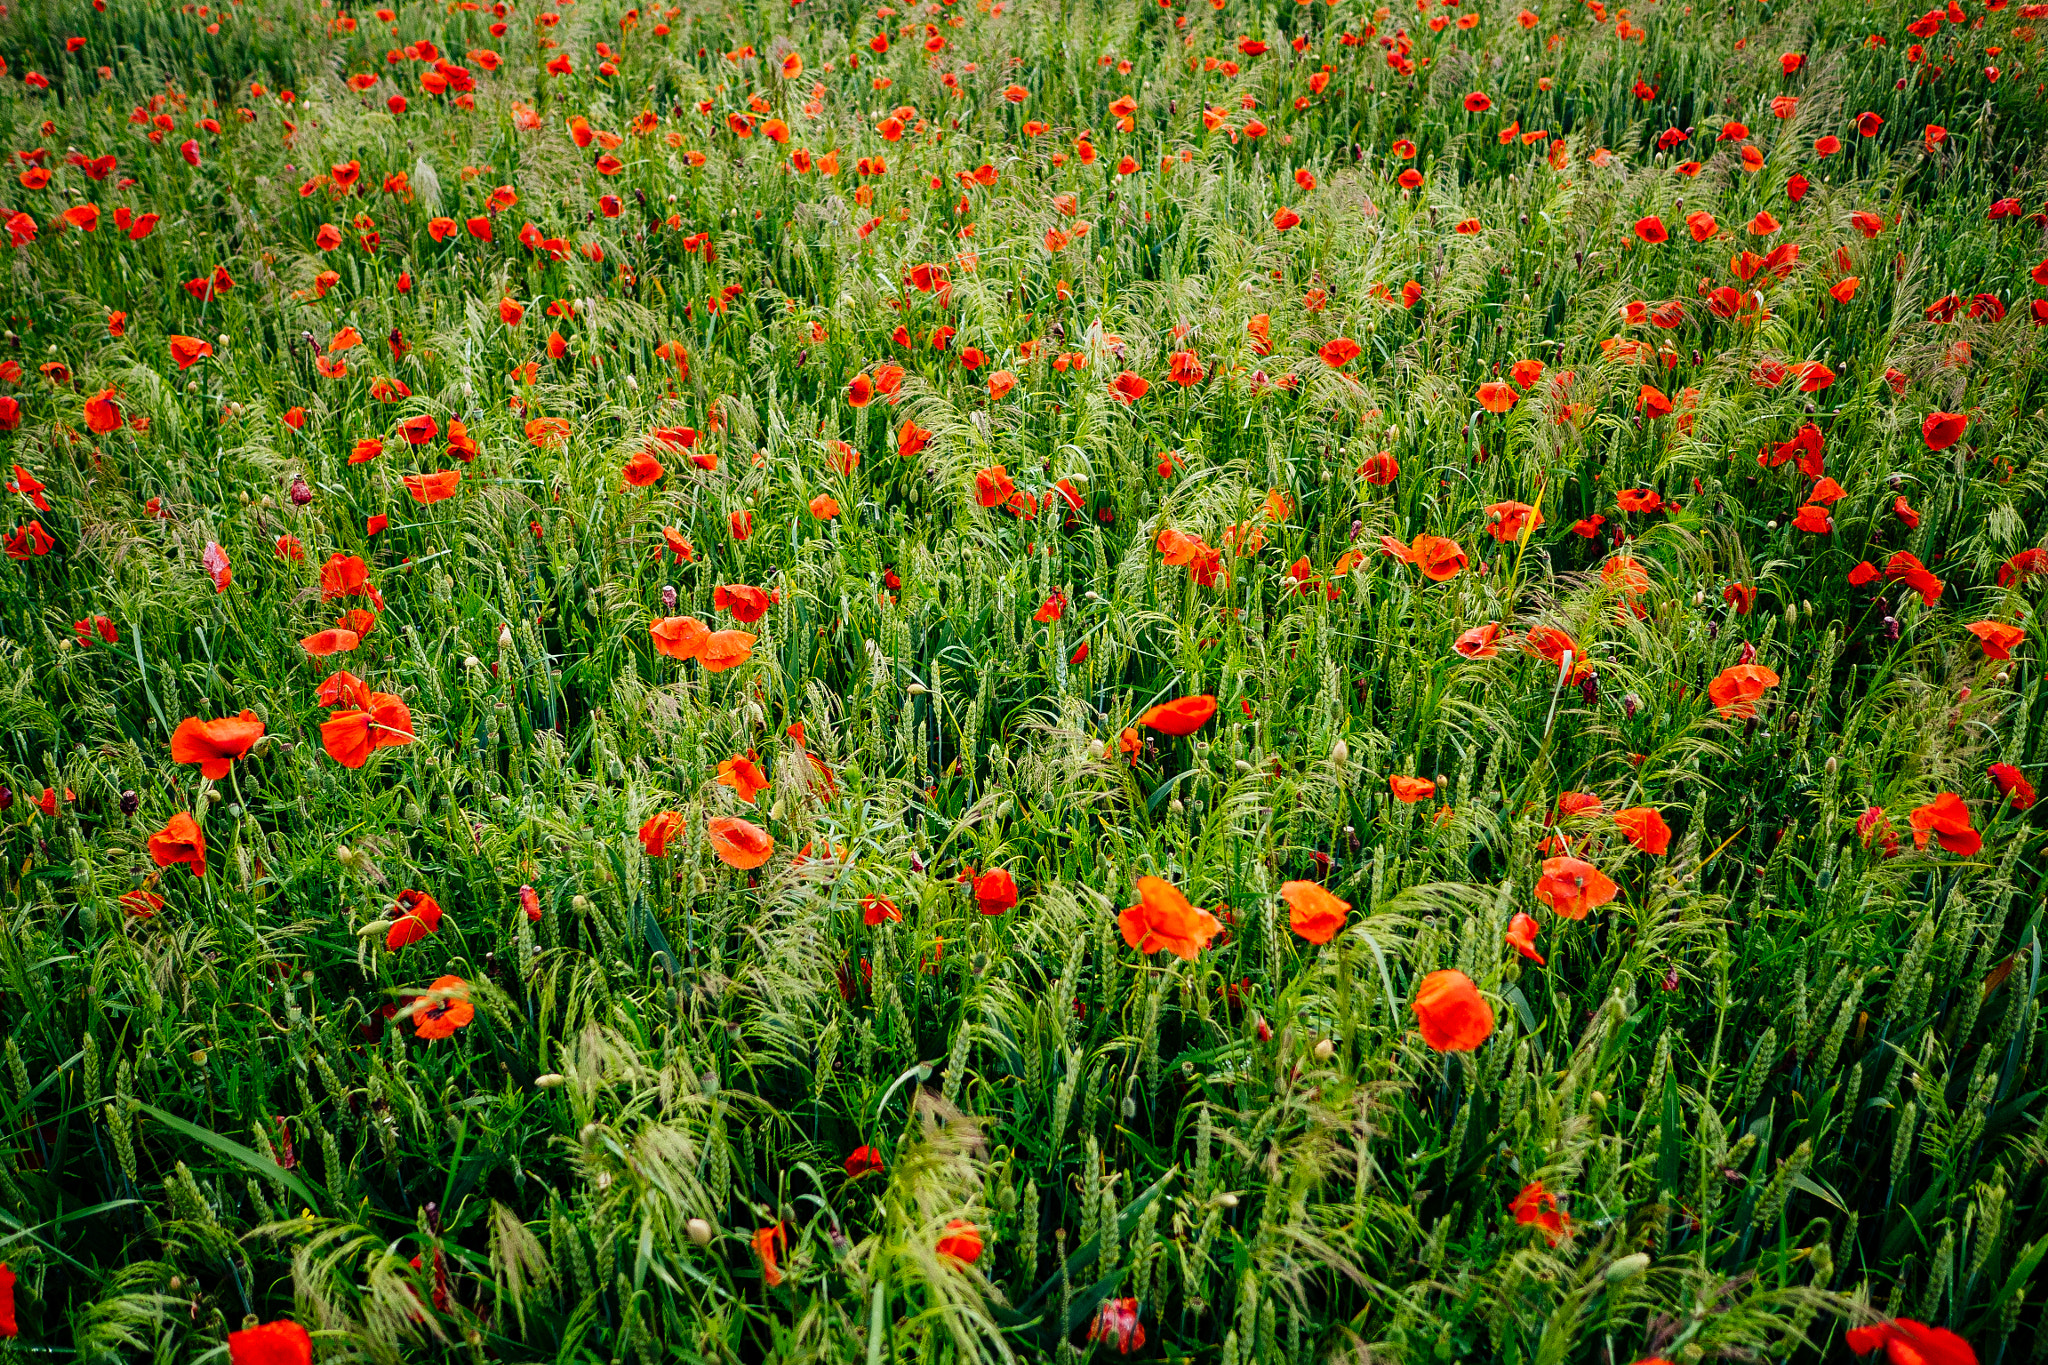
column 1226, row 681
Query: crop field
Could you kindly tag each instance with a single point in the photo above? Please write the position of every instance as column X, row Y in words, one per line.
column 1211, row 681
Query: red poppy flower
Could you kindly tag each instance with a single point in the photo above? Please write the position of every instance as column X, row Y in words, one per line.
column 2013, row 783
column 747, row 604
column 1652, row 230
column 1480, row 642
column 725, row 649
column 1737, row 688
column 1908, row 1342
column 992, row 486
column 1451, row 1013
column 446, row 1009
column 1496, row 397
column 678, row 637
column 1997, row 637
column 1943, row 429
column 962, row 1241
column 283, row 1342
column 381, row 721
column 658, row 829
column 215, row 744
column 1538, row 1206
column 995, row 892
column 179, row 841
column 876, row 910
column 1164, row 921
column 864, row 1160
column 1182, row 716
column 1644, row 827
column 1572, row 888
column 1948, row 820
column 1313, row 912
column 431, row 488
column 739, row 843
column 1521, row 936
column 418, row 915
column 1506, row 521
column 1128, row 387
column 1116, row 1321
column 1409, row 790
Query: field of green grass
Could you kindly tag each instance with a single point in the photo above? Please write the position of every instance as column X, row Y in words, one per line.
column 1198, row 680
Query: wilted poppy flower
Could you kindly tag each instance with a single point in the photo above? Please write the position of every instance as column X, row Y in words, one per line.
column 283, row 1342
column 2013, row 783
column 1908, row 1342
column 419, row 915
column 739, row 843
column 1451, row 1013
column 1948, row 820
column 1943, row 429
column 1521, row 936
column 678, row 637
column 995, row 892
column 1573, row 888
column 1164, row 921
column 1997, row 638
column 658, row 829
column 447, row 1009
column 864, row 1160
column 215, row 744
column 962, row 1241
column 1182, row 716
column 1736, row 689
column 1644, row 827
column 1312, row 912
column 824, row 507
column 179, row 841
column 1538, row 1206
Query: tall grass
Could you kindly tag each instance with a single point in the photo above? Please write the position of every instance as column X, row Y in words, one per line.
column 1784, row 1084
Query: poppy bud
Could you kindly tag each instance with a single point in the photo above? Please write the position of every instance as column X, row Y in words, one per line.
column 1325, row 1050
column 699, row 1230
column 1340, row 753
column 6, row 796
column 580, row 904
column 668, row 597
column 301, row 492
column 549, row 1081
column 130, row 802
column 504, row 637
